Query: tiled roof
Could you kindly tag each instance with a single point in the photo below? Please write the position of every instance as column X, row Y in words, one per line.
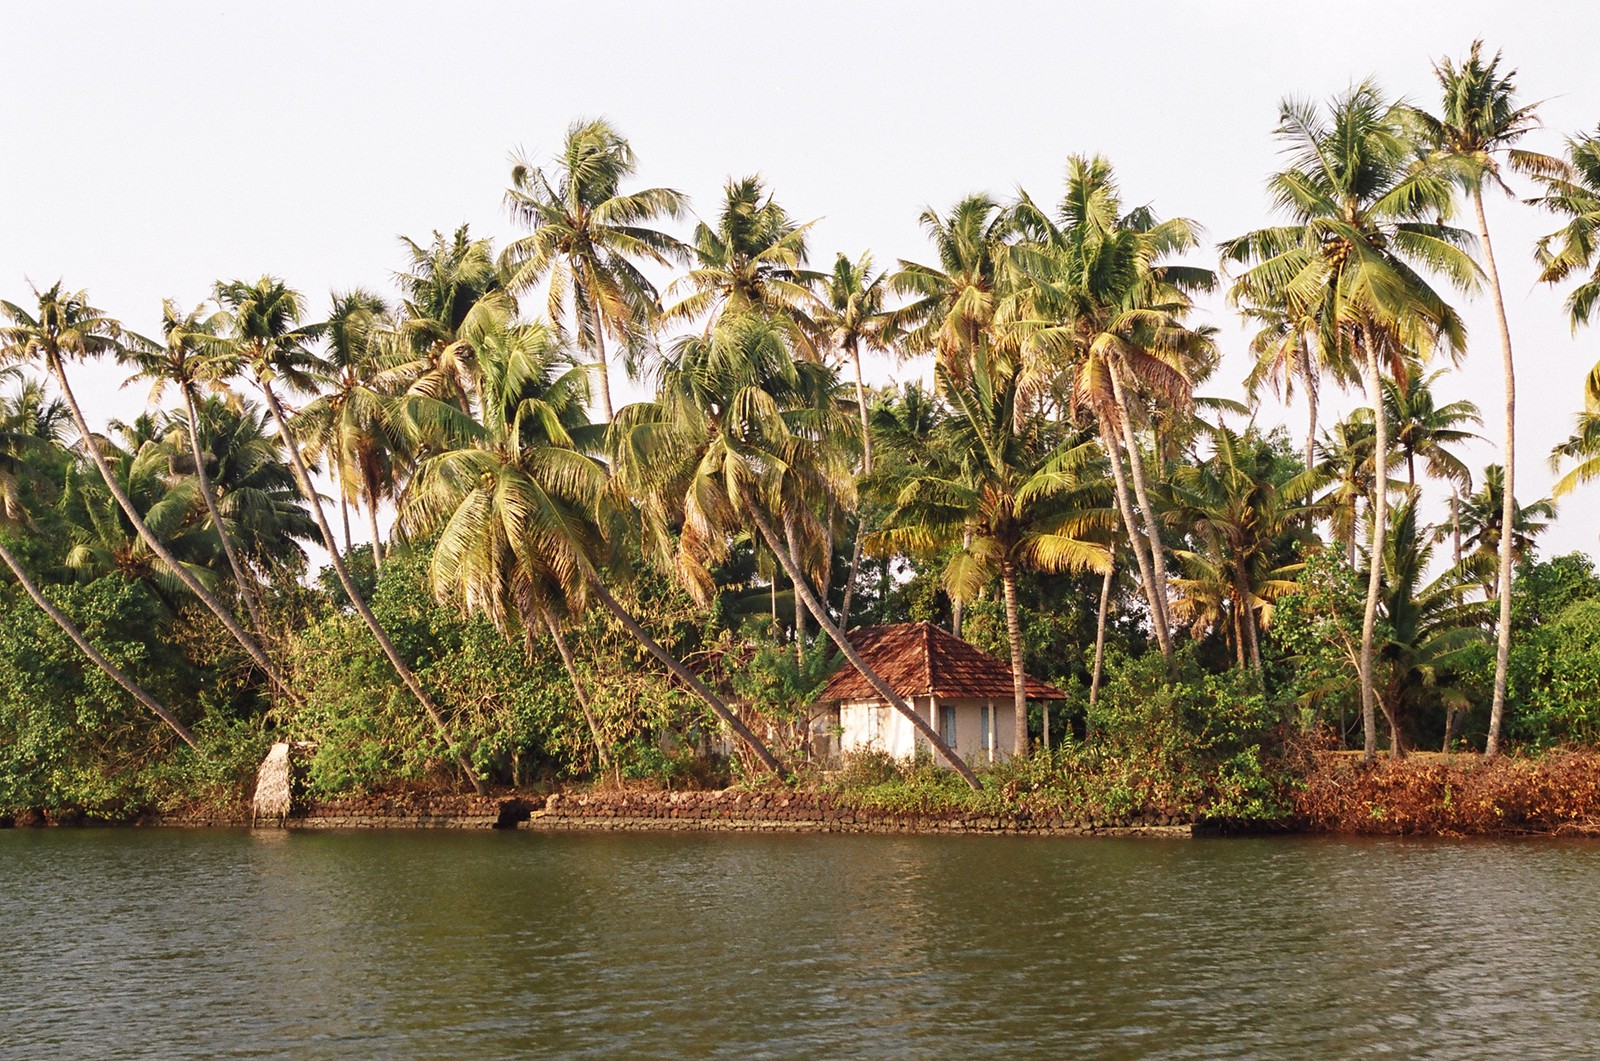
column 920, row 659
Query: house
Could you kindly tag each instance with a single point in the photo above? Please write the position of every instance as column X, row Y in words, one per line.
column 965, row 694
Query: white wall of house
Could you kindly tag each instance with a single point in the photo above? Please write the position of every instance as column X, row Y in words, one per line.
column 874, row 725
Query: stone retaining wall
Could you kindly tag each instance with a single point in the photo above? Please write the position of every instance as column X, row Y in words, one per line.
column 732, row 810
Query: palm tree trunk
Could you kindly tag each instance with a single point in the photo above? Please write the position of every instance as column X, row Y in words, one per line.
column 820, row 613
column 110, row 669
column 241, row 576
column 1379, row 515
column 1508, row 504
column 1136, row 468
column 1455, row 524
column 1019, row 688
column 1136, row 541
column 682, row 673
column 1311, row 403
column 155, row 544
column 377, row 544
column 1100, row 634
column 302, row 479
column 600, row 351
column 344, row 502
column 866, row 469
column 799, row 605
column 578, row 689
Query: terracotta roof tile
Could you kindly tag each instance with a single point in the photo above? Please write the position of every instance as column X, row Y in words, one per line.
column 920, row 659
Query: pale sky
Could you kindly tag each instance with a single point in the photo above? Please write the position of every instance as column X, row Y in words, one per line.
column 147, row 150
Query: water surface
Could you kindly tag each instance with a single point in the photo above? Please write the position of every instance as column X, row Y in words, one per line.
column 402, row 945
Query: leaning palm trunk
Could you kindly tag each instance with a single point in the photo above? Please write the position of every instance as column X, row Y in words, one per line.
column 241, row 576
column 682, row 673
column 1100, row 635
column 1152, row 527
column 1311, row 402
column 802, row 586
column 578, row 688
column 155, row 544
column 302, row 479
column 1136, row 541
column 1508, row 509
column 1378, row 515
column 866, row 469
column 111, row 670
column 1019, row 687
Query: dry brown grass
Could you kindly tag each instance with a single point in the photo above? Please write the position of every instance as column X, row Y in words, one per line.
column 1455, row 795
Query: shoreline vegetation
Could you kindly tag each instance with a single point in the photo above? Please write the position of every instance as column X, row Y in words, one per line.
column 1252, row 625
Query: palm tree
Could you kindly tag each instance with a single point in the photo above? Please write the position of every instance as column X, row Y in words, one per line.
column 1363, row 216
column 1477, row 126
column 352, row 424
column 1583, row 446
column 1251, row 516
column 1103, row 304
column 499, row 502
column 452, row 296
column 1014, row 498
column 952, row 304
column 732, row 436
column 1482, row 519
column 587, row 235
column 1421, row 427
column 1286, row 348
column 68, row 327
column 254, row 487
column 19, row 446
column 268, row 340
column 1427, row 626
column 181, row 360
column 518, row 507
column 752, row 261
column 1575, row 193
column 855, row 317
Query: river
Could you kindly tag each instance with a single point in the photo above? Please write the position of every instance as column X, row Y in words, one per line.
column 398, row 945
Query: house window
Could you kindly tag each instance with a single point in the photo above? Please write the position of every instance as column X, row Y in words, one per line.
column 986, row 727
column 947, row 724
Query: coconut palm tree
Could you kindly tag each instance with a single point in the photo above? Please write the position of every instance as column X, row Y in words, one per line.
column 853, row 314
column 452, row 294
column 752, row 261
column 1427, row 625
column 587, row 237
column 734, row 435
column 1104, row 305
column 352, row 425
column 517, row 507
column 1477, row 126
column 1364, row 217
column 1250, row 513
column 20, row 446
column 68, row 327
column 1574, row 193
column 1582, row 446
column 952, row 304
column 1482, row 521
column 1421, row 427
column 1015, row 497
column 250, row 476
column 180, row 360
column 267, row 339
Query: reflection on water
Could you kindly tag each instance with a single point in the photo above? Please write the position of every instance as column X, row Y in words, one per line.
column 423, row 945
